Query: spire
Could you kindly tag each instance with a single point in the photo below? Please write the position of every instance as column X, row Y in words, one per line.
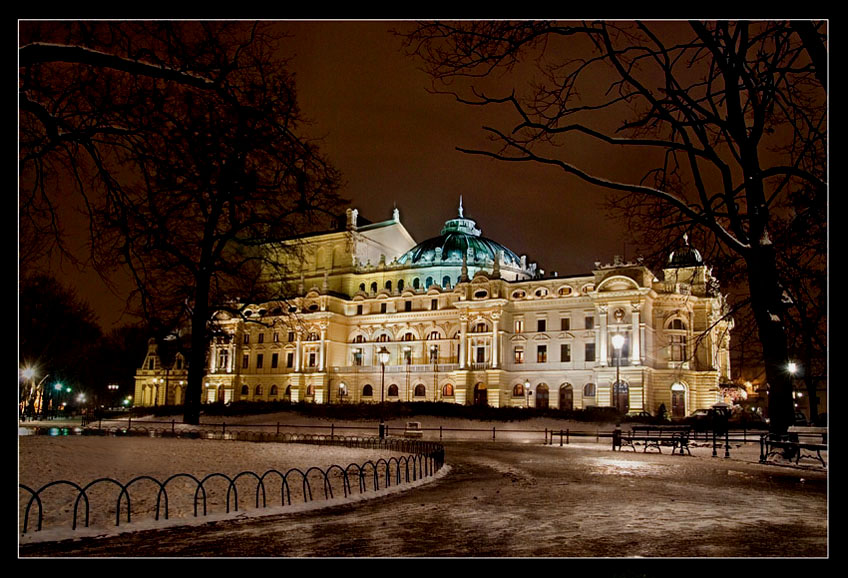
column 460, row 207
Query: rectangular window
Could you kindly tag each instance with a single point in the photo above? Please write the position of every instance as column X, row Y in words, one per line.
column 359, row 309
column 590, row 352
column 407, row 305
column 259, row 361
column 289, row 360
column 357, row 357
column 590, row 322
column 291, row 336
column 541, row 325
column 382, row 307
column 261, row 338
column 313, row 359
column 245, row 361
column 481, row 355
column 565, row 324
column 434, row 304
column 276, row 337
column 247, row 337
column 542, row 354
column 519, row 325
column 275, row 359
column 565, row 352
column 519, row 355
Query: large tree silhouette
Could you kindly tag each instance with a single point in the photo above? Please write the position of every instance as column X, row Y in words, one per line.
column 722, row 127
column 185, row 142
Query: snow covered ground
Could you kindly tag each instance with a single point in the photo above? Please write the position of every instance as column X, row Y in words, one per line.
column 83, row 459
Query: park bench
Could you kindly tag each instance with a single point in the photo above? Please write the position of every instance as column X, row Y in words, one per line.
column 655, row 436
column 413, row 430
column 798, row 442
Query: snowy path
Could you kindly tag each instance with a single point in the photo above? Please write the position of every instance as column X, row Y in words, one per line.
column 507, row 499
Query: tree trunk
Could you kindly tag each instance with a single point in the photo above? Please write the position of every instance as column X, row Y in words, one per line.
column 197, row 355
column 768, row 313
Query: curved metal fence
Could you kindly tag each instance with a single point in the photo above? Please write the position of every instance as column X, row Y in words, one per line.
column 273, row 487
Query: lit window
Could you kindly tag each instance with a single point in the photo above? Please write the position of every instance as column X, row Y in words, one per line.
column 519, row 325
column 518, row 390
column 589, row 390
column 518, row 355
column 542, row 354
column 448, row 390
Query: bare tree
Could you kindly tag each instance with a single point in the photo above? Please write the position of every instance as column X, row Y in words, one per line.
column 184, row 140
column 722, row 122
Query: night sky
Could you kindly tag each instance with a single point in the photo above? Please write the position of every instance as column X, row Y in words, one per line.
column 394, row 143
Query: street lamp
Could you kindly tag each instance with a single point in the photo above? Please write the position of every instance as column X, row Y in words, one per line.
column 526, row 393
column 383, row 356
column 617, row 344
column 342, row 392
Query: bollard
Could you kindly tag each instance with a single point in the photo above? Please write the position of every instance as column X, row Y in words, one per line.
column 560, row 438
column 566, row 437
column 715, row 455
column 616, row 437
column 726, row 444
column 493, row 433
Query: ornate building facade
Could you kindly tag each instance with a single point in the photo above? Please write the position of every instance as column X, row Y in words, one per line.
column 461, row 318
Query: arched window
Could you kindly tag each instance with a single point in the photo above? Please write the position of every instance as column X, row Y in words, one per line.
column 287, row 394
column 367, row 390
column 258, row 390
column 374, row 287
column 400, row 285
column 420, row 390
column 273, row 392
column 480, row 327
column 589, row 390
column 388, row 285
column 245, row 390
column 409, row 336
column 393, row 390
column 383, row 338
column 359, row 339
column 677, row 340
column 446, row 282
column 362, row 287
column 428, row 282
column 313, row 336
column 447, row 391
column 434, row 335
column 518, row 390
column 416, row 283
column 310, row 390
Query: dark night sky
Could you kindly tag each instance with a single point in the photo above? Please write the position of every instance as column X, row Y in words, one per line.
column 395, row 145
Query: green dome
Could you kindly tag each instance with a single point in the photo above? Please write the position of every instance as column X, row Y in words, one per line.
column 459, row 237
column 685, row 256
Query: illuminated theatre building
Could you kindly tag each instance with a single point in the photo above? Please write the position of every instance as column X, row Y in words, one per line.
column 460, row 318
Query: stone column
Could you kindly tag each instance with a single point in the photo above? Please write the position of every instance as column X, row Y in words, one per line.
column 322, row 347
column 635, row 335
column 602, row 338
column 297, row 353
column 463, row 346
column 495, row 341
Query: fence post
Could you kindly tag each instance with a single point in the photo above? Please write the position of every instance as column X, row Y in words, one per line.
column 726, row 444
column 715, row 455
column 440, row 433
column 332, row 430
column 546, row 435
column 560, row 438
column 223, row 428
column 278, row 428
column 493, row 432
column 129, row 423
column 173, row 425
column 566, row 437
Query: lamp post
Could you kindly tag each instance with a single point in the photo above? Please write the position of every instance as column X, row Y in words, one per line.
column 434, row 359
column 342, row 392
column 617, row 344
column 793, row 370
column 526, row 393
column 383, row 355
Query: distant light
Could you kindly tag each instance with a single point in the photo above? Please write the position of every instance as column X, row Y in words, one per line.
column 618, row 341
column 28, row 373
column 792, row 367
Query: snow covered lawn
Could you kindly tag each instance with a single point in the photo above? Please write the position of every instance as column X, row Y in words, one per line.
column 83, row 459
